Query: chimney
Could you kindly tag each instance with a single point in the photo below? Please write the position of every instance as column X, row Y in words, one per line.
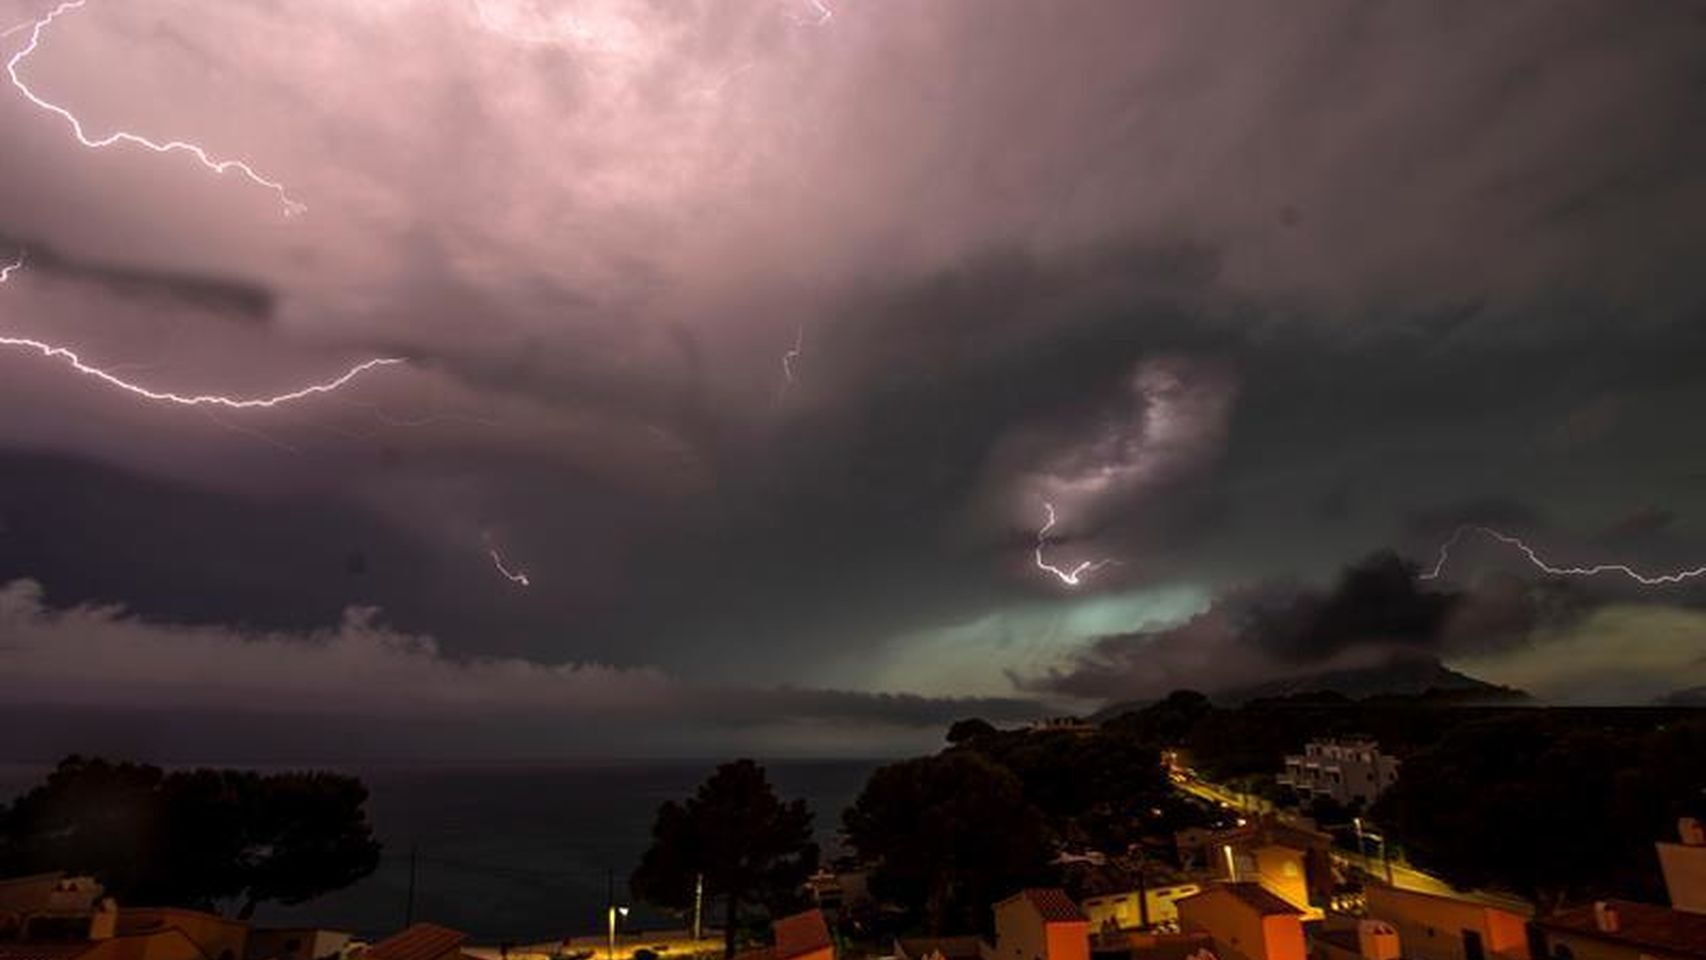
column 103, row 923
column 1693, row 834
column 1377, row 940
column 1605, row 917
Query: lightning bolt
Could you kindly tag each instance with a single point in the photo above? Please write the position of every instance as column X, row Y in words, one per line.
column 1073, row 576
column 291, row 206
column 1645, row 579
column 789, row 357
column 821, row 14
column 76, row 363
column 513, row 576
column 111, row 379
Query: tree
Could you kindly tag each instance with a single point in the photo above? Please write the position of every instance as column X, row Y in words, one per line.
column 309, row 835
column 193, row 838
column 750, row 847
column 1167, row 722
column 1549, row 806
column 1092, row 788
column 949, row 835
column 965, row 731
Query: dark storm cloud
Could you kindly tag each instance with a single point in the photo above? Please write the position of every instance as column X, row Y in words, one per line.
column 1377, row 608
column 1402, row 256
column 226, row 296
column 1640, row 525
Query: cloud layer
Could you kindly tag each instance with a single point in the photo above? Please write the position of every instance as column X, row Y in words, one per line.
column 1243, row 291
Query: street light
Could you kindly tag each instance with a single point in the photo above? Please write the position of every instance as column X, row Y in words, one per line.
column 614, row 912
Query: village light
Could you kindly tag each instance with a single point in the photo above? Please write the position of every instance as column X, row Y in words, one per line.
column 613, row 913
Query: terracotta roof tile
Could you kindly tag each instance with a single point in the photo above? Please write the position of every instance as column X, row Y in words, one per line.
column 1054, row 905
column 1259, row 898
column 801, row 934
column 423, row 941
column 1641, row 925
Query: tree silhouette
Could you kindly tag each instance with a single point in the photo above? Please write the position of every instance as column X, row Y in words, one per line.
column 950, row 834
column 193, row 838
column 751, row 848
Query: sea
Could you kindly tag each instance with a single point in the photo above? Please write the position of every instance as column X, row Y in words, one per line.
column 522, row 853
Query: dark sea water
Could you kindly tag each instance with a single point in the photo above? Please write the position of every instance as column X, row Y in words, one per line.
column 523, row 853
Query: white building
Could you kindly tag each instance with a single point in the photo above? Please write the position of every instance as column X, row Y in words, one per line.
column 1347, row 771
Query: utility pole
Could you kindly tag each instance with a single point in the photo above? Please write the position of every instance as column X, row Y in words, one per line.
column 698, row 907
column 409, row 911
column 1142, row 888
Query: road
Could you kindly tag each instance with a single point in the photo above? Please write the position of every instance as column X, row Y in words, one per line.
column 1403, row 876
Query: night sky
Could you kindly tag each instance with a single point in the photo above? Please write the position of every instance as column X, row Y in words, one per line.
column 761, row 337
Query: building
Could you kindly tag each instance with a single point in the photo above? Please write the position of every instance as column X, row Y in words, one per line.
column 1451, row 926
column 1291, row 859
column 1345, row 771
column 1365, row 940
column 1246, row 922
column 422, row 941
column 56, row 917
column 1625, row 930
column 834, row 891
column 1131, row 910
column 1622, row 930
column 303, row 943
column 1684, row 867
column 48, row 906
column 1040, row 923
column 803, row 936
column 216, row 937
column 939, row 948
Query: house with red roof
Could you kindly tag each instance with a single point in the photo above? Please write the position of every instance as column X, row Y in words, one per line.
column 422, row 941
column 1626, row 930
column 1246, row 921
column 802, row 936
column 1040, row 923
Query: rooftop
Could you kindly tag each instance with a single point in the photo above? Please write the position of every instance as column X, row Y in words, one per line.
column 801, row 934
column 1054, row 905
column 1641, row 925
column 44, row 951
column 953, row 948
column 1253, row 895
column 423, row 941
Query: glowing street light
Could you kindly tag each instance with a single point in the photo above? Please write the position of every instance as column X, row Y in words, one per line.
column 613, row 913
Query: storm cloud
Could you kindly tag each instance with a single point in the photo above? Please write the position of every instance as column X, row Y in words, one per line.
column 1244, row 292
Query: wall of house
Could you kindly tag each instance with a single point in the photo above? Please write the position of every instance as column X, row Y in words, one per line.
column 1282, row 938
column 1236, row 928
column 216, row 936
column 1019, row 932
column 1281, row 870
column 1431, row 927
column 1122, row 908
column 1590, row 948
column 1068, row 941
column 1685, row 875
